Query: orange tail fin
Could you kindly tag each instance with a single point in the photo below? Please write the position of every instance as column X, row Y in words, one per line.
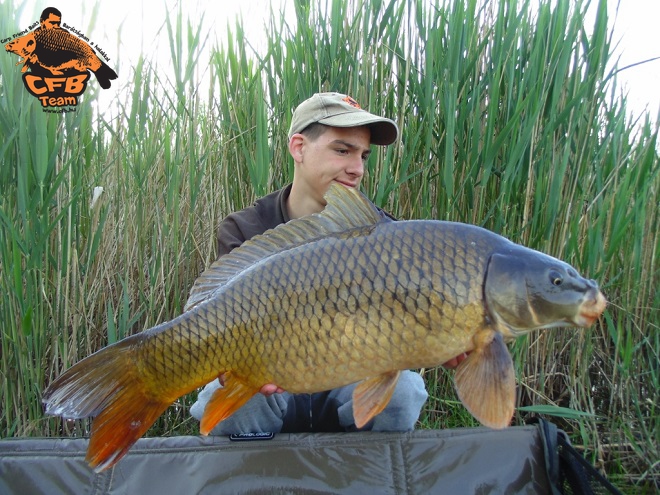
column 106, row 385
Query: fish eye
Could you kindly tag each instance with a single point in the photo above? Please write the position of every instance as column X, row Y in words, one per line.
column 556, row 278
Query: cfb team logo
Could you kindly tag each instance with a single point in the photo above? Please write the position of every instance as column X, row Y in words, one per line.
column 56, row 63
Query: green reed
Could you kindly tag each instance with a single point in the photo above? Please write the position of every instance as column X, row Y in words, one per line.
column 510, row 117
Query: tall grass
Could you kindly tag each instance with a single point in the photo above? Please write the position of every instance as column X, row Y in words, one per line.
column 508, row 121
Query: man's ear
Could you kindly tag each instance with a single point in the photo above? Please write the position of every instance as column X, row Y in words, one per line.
column 296, row 147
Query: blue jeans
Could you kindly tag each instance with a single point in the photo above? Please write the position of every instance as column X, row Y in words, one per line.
column 330, row 411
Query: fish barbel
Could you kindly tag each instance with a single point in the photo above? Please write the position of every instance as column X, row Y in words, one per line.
column 338, row 297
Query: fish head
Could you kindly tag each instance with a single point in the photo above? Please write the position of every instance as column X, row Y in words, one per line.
column 23, row 46
column 526, row 290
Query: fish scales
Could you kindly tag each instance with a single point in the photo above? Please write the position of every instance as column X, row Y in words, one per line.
column 389, row 303
column 340, row 297
column 63, row 46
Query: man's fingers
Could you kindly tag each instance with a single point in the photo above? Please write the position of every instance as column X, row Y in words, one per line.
column 453, row 362
column 270, row 389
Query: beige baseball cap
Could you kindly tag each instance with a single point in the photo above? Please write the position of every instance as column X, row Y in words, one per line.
column 339, row 110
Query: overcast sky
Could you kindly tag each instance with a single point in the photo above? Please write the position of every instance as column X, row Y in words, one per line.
column 635, row 30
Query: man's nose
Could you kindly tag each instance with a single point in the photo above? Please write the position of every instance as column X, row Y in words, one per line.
column 356, row 167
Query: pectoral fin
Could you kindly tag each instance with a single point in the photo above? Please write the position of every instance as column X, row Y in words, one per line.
column 225, row 401
column 372, row 395
column 485, row 381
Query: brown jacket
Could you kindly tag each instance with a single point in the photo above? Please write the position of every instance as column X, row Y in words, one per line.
column 266, row 213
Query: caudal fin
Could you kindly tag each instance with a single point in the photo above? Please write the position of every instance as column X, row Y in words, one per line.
column 106, row 386
column 104, row 75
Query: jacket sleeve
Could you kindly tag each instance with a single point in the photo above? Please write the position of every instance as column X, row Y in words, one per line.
column 243, row 225
column 237, row 228
column 230, row 235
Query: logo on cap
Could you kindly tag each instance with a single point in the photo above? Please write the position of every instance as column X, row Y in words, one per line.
column 351, row 102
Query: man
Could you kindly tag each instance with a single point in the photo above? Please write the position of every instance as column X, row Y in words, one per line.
column 330, row 141
column 51, row 18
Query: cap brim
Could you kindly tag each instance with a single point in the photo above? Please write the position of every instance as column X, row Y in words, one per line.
column 383, row 131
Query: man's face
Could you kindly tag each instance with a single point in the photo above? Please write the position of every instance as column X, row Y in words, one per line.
column 53, row 21
column 337, row 155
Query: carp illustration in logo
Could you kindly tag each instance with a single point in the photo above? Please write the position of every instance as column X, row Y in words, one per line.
column 49, row 51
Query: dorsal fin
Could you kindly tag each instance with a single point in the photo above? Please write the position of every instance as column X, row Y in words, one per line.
column 346, row 209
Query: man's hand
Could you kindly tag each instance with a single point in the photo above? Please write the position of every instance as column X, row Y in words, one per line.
column 452, row 363
column 270, row 389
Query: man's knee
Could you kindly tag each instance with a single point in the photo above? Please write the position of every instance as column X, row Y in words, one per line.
column 405, row 406
column 410, row 389
column 401, row 412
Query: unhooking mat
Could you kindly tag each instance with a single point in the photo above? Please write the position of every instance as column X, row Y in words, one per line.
column 517, row 460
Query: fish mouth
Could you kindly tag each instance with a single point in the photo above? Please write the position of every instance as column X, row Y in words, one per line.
column 590, row 310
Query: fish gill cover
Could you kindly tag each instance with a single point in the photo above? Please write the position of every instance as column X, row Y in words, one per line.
column 56, row 61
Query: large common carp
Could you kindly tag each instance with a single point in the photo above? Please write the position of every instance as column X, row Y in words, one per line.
column 334, row 298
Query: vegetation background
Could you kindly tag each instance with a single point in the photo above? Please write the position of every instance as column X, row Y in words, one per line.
column 511, row 119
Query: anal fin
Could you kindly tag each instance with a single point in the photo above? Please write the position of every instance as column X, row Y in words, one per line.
column 225, row 401
column 372, row 395
column 485, row 381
